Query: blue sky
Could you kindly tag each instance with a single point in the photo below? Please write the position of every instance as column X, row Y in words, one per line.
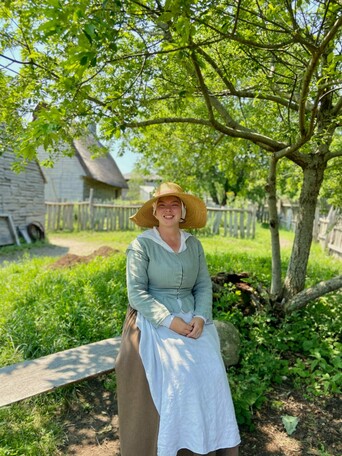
column 126, row 162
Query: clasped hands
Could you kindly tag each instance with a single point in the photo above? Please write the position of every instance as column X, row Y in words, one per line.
column 192, row 329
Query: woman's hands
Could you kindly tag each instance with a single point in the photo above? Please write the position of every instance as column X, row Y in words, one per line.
column 197, row 324
column 193, row 329
column 180, row 326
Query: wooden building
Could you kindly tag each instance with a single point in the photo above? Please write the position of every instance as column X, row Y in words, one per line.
column 72, row 177
column 21, row 198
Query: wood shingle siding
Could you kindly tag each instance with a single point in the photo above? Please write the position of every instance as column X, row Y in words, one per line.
column 22, row 194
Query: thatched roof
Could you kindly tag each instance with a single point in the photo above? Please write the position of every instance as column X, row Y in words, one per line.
column 103, row 168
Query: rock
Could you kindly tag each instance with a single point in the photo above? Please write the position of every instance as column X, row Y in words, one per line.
column 230, row 342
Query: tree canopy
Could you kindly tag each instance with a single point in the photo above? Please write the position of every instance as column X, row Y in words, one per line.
column 266, row 74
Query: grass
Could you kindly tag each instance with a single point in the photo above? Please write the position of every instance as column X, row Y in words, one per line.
column 46, row 310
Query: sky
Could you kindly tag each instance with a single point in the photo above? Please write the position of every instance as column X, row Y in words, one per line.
column 126, row 162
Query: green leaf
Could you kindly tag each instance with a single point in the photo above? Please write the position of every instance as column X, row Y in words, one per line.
column 165, row 17
column 89, row 31
column 290, row 423
column 84, row 59
column 49, row 27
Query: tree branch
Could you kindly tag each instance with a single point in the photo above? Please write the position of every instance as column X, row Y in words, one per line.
column 263, row 141
column 297, row 38
column 338, row 106
column 218, row 70
column 30, row 63
column 236, row 20
column 211, row 100
column 330, row 35
column 310, row 70
column 286, row 101
column 203, row 87
column 292, row 152
column 336, row 154
column 305, row 92
column 304, row 297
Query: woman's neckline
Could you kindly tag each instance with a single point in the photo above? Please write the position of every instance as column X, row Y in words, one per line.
column 174, row 241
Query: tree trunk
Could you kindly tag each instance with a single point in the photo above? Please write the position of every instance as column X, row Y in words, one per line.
column 296, row 272
column 276, row 284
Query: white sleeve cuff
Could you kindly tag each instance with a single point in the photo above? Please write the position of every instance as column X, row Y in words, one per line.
column 203, row 318
column 167, row 321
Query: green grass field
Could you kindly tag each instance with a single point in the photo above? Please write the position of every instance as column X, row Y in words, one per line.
column 46, row 310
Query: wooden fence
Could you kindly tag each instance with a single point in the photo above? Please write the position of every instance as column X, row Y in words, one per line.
column 326, row 230
column 329, row 232
column 81, row 216
column 232, row 222
column 287, row 213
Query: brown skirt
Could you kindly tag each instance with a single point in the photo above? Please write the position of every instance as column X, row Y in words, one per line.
column 138, row 417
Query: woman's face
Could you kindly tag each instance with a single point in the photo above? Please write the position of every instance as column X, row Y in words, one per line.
column 168, row 210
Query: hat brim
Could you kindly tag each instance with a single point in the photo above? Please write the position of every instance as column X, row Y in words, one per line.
column 196, row 212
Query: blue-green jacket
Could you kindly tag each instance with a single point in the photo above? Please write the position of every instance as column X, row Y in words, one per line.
column 161, row 283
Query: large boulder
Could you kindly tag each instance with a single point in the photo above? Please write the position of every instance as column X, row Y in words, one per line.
column 230, row 342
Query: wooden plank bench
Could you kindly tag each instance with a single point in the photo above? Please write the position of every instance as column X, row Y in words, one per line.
column 29, row 378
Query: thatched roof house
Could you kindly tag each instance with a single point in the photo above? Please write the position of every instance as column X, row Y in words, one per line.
column 71, row 178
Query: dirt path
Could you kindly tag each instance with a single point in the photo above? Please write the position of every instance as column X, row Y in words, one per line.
column 73, row 246
column 57, row 247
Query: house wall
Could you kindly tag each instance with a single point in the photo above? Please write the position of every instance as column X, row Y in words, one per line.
column 67, row 181
column 102, row 192
column 21, row 195
column 64, row 180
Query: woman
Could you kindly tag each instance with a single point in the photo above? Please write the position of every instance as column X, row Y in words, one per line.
column 173, row 393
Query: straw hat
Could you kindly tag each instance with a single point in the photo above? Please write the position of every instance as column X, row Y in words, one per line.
column 196, row 211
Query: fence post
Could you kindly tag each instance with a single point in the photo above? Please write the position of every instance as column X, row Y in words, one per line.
column 315, row 230
column 217, row 221
column 330, row 224
column 254, row 222
column 242, row 224
column 231, row 223
column 249, row 221
column 91, row 208
column 236, row 228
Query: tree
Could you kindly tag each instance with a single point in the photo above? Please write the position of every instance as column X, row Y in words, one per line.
column 219, row 167
column 267, row 73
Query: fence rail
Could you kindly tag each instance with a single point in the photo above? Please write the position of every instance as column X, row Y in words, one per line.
column 81, row 216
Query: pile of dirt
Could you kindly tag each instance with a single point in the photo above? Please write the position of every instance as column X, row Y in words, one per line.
column 70, row 259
